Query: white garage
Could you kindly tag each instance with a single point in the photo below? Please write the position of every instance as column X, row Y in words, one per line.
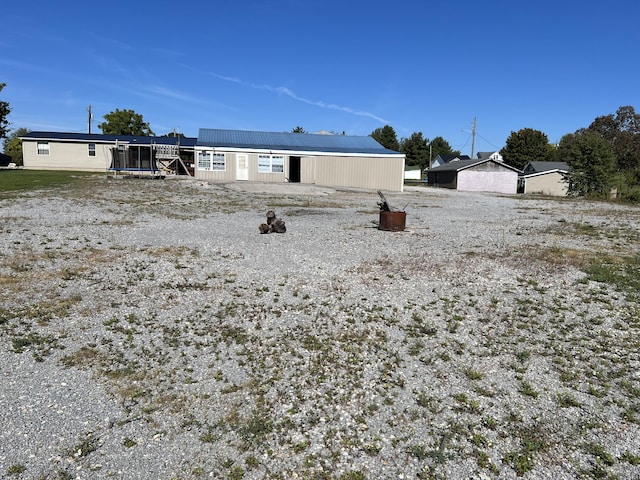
column 476, row 175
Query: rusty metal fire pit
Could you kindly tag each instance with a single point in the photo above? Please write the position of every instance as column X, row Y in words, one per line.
column 391, row 219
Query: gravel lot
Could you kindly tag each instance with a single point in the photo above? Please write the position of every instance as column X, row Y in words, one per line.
column 148, row 331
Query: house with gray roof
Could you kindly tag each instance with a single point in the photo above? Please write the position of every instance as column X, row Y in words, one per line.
column 544, row 178
column 491, row 155
column 443, row 159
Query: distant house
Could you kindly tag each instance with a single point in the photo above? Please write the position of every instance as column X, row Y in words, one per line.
column 490, row 155
column 475, row 175
column 329, row 160
column 444, row 159
column 544, row 178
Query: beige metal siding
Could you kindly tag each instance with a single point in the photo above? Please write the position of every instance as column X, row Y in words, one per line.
column 66, row 156
column 308, row 169
column 226, row 175
column 267, row 177
column 547, row 184
column 229, row 174
column 383, row 173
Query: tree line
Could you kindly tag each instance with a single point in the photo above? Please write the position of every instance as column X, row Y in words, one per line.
column 603, row 156
column 419, row 150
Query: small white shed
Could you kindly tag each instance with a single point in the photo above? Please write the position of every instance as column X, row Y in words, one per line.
column 412, row 172
column 476, row 176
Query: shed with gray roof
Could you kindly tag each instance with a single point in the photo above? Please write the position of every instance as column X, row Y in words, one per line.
column 545, row 178
column 476, row 176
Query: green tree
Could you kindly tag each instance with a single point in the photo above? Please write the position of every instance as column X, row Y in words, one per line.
column 5, row 110
column 12, row 145
column 386, row 136
column 622, row 131
column 174, row 134
column 526, row 145
column 416, row 150
column 124, row 122
column 439, row 146
column 298, row 129
column 591, row 161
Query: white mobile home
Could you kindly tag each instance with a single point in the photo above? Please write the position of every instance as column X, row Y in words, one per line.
column 102, row 153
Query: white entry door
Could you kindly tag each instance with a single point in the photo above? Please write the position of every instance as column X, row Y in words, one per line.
column 242, row 167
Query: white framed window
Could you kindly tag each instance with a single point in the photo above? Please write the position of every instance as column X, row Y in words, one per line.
column 264, row 163
column 204, row 160
column 219, row 162
column 92, row 149
column 270, row 164
column 43, row 148
column 207, row 160
column 277, row 164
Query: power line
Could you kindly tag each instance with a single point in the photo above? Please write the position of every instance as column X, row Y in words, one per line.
column 490, row 143
column 473, row 133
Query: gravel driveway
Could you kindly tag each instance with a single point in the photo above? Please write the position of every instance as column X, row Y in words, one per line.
column 148, row 331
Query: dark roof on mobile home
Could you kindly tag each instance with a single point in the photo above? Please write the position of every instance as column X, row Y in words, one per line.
column 100, row 138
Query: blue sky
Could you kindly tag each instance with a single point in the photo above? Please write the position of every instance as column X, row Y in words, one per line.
column 342, row 66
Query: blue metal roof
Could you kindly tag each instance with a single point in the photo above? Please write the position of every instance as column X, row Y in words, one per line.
column 96, row 137
column 299, row 142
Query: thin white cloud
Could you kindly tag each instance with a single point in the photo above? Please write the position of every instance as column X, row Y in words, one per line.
column 167, row 52
column 286, row 91
column 168, row 93
column 156, row 91
column 36, row 124
column 23, row 66
column 112, row 42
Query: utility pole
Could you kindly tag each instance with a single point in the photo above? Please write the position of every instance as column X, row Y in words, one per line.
column 90, row 117
column 473, row 136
